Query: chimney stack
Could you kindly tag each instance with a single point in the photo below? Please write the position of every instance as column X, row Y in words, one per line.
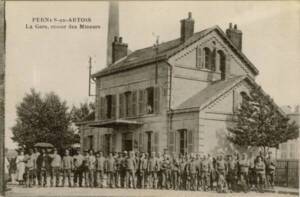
column 235, row 35
column 187, row 28
column 119, row 49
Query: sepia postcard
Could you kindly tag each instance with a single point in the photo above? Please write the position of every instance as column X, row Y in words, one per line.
column 149, row 98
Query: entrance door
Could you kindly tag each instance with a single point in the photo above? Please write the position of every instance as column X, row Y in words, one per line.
column 182, row 141
column 127, row 141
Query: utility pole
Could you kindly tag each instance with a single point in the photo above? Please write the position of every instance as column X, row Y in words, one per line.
column 156, row 60
column 2, row 96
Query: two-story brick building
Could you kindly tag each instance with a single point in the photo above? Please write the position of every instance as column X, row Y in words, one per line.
column 179, row 95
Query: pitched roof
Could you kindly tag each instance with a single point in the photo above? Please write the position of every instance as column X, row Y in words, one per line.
column 165, row 50
column 210, row 92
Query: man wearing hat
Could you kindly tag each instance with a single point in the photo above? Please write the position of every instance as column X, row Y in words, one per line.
column 270, row 169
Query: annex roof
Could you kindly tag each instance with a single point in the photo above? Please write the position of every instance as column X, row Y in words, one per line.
column 165, row 50
column 212, row 91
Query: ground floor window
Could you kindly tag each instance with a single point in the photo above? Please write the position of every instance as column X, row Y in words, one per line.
column 182, row 140
column 149, row 141
column 127, row 143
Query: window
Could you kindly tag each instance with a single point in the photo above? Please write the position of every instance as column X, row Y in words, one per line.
column 90, row 143
column 149, row 141
column 108, row 106
column 222, row 63
column 213, row 60
column 207, row 56
column 150, row 100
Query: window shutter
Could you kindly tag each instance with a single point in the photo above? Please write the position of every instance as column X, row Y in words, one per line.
column 129, row 105
column 196, row 140
column 102, row 108
column 121, row 105
column 141, row 142
column 155, row 141
column 134, row 103
column 190, row 141
column 171, row 141
column 145, row 142
column 156, row 99
column 103, row 143
column 141, row 102
column 113, row 106
column 145, row 100
column 97, row 107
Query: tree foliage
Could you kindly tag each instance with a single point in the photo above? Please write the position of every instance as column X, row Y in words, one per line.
column 84, row 112
column 43, row 119
column 259, row 123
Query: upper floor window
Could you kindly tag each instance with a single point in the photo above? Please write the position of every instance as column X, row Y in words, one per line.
column 222, row 63
column 150, row 100
column 108, row 107
column 207, row 58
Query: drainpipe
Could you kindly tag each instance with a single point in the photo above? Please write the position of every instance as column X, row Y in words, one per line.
column 170, row 97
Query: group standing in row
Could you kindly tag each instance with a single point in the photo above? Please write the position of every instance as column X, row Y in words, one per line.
column 148, row 171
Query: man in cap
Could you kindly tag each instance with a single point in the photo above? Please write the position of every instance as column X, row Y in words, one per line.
column 67, row 166
column 206, row 168
column 78, row 168
column 244, row 171
column 91, row 168
column 100, row 167
column 131, row 167
column 152, row 172
column 142, row 169
column 270, row 169
column 260, row 170
column 55, row 165
column 111, row 168
column 30, row 166
column 220, row 171
column 231, row 169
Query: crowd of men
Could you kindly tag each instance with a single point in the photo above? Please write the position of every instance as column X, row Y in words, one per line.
column 149, row 171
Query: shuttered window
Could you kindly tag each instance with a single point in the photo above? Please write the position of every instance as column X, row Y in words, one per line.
column 156, row 99
column 121, row 105
column 113, row 106
column 134, row 104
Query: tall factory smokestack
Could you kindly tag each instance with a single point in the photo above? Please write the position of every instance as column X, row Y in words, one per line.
column 113, row 28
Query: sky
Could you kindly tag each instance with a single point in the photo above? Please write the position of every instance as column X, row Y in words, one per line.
column 57, row 60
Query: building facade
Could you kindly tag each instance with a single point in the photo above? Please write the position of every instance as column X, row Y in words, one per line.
column 289, row 149
column 177, row 96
